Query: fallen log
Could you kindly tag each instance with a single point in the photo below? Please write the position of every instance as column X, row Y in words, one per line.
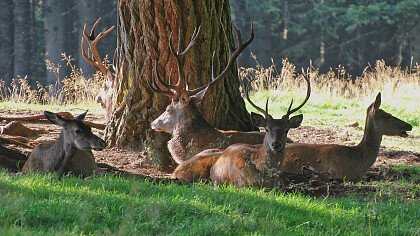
column 66, row 115
column 15, row 128
column 11, row 160
column 18, row 141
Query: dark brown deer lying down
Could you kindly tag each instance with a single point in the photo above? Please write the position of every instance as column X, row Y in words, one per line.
column 247, row 165
column 191, row 133
column 71, row 152
column 347, row 162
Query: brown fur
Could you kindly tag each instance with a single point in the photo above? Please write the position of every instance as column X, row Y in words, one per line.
column 247, row 165
column 194, row 134
column 197, row 167
column 49, row 157
column 70, row 153
column 346, row 162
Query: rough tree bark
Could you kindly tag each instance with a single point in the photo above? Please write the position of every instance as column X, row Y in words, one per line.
column 144, row 29
column 22, row 46
column 6, row 42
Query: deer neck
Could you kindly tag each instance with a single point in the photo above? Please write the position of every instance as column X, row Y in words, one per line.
column 272, row 162
column 371, row 141
column 191, row 135
column 192, row 122
column 61, row 153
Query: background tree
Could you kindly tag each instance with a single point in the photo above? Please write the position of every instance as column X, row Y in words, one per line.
column 37, row 57
column 144, row 32
column 6, row 40
column 88, row 13
column 22, row 37
column 58, row 28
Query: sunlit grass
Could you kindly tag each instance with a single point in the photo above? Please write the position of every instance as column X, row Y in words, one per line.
column 338, row 112
column 76, row 108
column 46, row 204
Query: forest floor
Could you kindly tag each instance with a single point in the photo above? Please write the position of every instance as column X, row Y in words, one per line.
column 135, row 163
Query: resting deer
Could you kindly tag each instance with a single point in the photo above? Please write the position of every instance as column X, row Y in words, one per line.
column 191, row 133
column 71, row 152
column 247, row 165
column 347, row 162
column 105, row 94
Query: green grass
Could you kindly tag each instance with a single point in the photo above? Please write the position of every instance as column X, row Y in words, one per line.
column 48, row 205
column 13, row 106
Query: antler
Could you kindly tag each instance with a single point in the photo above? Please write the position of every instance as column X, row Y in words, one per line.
column 96, row 60
column 174, row 91
column 264, row 112
column 289, row 110
column 181, row 87
column 308, row 94
column 233, row 55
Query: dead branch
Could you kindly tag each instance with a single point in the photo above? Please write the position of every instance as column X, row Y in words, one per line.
column 15, row 128
column 18, row 141
column 66, row 115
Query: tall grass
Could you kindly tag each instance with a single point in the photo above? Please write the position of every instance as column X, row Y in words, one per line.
column 396, row 84
column 72, row 89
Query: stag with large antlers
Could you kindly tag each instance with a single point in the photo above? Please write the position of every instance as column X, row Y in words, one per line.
column 191, row 133
column 92, row 57
column 347, row 162
column 258, row 165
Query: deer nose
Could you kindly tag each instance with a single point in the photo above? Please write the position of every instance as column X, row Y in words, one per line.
column 276, row 145
column 102, row 143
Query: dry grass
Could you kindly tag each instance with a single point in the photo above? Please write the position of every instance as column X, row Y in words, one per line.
column 74, row 89
column 394, row 83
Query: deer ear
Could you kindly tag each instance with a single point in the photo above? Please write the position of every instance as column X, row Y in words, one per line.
column 54, row 118
column 258, row 120
column 82, row 116
column 377, row 102
column 295, row 121
column 198, row 97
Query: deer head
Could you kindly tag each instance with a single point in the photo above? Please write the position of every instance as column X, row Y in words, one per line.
column 386, row 123
column 277, row 129
column 92, row 57
column 182, row 97
column 76, row 133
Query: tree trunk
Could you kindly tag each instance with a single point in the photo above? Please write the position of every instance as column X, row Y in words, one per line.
column 38, row 72
column 242, row 19
column 144, row 32
column 415, row 44
column 6, row 40
column 56, row 30
column 22, row 46
column 87, row 12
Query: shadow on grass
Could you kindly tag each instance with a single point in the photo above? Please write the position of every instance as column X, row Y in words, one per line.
column 111, row 203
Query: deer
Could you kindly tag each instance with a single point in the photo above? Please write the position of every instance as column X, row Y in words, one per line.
column 247, row 165
column 342, row 162
column 198, row 167
column 105, row 95
column 190, row 131
column 70, row 153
